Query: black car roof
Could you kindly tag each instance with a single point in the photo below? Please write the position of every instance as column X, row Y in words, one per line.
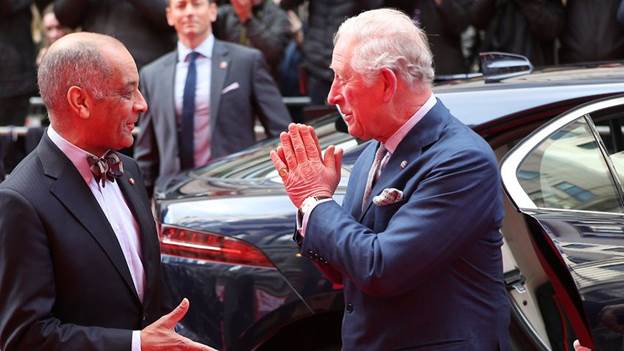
column 475, row 102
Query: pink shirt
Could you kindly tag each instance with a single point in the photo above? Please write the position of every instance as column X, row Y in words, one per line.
column 114, row 206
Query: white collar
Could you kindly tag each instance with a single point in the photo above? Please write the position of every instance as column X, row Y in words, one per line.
column 76, row 155
column 394, row 140
column 205, row 49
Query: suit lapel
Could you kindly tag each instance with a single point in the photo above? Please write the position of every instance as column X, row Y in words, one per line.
column 146, row 228
column 219, row 67
column 425, row 132
column 69, row 188
column 168, row 97
column 359, row 179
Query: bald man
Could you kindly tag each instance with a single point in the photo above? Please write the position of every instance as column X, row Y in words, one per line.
column 79, row 254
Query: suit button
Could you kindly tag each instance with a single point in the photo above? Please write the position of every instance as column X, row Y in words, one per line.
column 144, row 318
column 349, row 308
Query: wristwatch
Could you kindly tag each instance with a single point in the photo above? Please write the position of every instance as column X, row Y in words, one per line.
column 306, row 206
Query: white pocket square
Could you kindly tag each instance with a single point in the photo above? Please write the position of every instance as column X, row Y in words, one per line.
column 388, row 196
column 230, row 87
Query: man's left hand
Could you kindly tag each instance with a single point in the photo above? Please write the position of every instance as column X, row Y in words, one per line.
column 303, row 170
column 242, row 9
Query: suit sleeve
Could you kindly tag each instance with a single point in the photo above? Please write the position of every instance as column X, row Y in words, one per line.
column 456, row 202
column 546, row 19
column 145, row 147
column 271, row 35
column 267, row 100
column 27, row 289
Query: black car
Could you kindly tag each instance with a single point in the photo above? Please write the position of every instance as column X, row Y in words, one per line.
column 226, row 229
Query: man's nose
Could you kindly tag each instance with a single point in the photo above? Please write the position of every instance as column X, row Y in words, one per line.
column 333, row 96
column 140, row 105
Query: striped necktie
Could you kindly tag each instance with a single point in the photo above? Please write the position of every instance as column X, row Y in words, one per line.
column 373, row 174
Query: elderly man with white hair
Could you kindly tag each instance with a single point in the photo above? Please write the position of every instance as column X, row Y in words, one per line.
column 416, row 242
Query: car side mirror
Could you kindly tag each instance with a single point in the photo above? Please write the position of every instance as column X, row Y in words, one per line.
column 497, row 66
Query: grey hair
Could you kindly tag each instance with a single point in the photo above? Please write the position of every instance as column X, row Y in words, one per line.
column 387, row 38
column 79, row 64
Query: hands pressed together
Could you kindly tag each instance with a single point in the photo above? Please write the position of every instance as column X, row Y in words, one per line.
column 302, row 167
column 161, row 335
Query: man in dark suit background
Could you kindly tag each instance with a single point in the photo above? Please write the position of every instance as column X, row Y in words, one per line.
column 204, row 97
column 17, row 61
column 416, row 242
column 79, row 255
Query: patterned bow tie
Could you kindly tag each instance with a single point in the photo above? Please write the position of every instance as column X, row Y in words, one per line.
column 108, row 167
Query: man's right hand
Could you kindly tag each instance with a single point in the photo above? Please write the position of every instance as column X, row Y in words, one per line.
column 160, row 335
column 301, row 166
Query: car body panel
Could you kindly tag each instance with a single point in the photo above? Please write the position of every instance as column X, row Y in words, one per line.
column 241, row 196
column 578, row 228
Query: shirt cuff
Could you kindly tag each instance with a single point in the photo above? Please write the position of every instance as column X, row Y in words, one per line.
column 302, row 223
column 136, row 340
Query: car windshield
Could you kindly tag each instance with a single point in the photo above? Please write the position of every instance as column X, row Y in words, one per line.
column 255, row 163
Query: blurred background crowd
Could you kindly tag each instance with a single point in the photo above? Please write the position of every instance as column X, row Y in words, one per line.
column 296, row 37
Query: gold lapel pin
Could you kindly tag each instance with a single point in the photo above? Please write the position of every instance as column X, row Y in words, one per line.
column 223, row 65
column 403, row 164
column 131, row 181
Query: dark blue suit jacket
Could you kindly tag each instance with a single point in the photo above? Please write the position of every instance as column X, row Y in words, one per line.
column 424, row 273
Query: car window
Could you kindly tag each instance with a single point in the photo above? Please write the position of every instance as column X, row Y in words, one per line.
column 254, row 163
column 567, row 170
column 609, row 123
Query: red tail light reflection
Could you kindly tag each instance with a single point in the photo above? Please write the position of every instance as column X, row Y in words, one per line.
column 206, row 246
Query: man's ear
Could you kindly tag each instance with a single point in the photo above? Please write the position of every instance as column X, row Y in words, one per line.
column 170, row 20
column 390, row 83
column 213, row 11
column 79, row 102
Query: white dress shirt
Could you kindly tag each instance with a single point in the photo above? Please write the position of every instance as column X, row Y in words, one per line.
column 201, row 134
column 115, row 208
column 390, row 145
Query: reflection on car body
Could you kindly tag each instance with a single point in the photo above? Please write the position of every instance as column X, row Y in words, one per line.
column 226, row 229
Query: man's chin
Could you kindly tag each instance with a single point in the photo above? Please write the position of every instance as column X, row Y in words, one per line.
column 127, row 142
column 357, row 133
column 353, row 129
